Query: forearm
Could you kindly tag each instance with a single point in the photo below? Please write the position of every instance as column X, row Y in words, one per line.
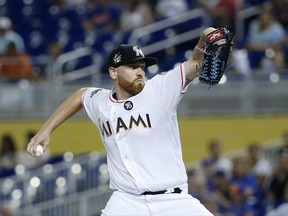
column 67, row 109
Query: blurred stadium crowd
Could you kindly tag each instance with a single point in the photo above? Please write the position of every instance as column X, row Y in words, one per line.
column 251, row 183
column 27, row 181
column 33, row 30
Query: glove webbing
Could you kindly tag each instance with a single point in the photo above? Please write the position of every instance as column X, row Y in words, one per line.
column 215, row 63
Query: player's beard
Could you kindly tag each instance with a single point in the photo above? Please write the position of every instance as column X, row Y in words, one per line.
column 133, row 88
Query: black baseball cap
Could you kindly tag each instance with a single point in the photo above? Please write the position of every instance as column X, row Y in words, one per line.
column 127, row 53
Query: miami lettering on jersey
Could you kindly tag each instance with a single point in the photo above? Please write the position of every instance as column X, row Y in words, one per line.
column 122, row 125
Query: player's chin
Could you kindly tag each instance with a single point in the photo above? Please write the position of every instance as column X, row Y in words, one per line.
column 138, row 86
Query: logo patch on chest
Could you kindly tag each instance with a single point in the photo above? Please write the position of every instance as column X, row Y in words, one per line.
column 128, row 105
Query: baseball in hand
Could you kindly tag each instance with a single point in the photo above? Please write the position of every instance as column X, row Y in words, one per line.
column 39, row 151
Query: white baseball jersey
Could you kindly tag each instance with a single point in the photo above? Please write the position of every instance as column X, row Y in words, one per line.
column 141, row 134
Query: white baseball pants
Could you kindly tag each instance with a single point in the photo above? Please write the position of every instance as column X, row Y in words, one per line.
column 123, row 204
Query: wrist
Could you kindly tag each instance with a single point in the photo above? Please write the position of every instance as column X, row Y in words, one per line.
column 45, row 130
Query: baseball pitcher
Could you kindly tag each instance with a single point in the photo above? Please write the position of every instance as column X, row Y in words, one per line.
column 137, row 121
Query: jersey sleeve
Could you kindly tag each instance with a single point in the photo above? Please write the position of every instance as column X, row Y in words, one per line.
column 169, row 87
column 89, row 101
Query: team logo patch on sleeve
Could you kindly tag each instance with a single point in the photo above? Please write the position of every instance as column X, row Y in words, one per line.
column 94, row 92
column 128, row 105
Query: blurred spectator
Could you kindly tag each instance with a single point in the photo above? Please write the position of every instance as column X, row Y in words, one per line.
column 90, row 32
column 278, row 187
column 215, row 158
column 7, row 152
column 285, row 139
column 75, row 3
column 279, row 211
column 210, row 204
column 208, row 171
column 54, row 50
column 197, row 188
column 280, row 8
column 239, row 205
column 15, row 65
column 242, row 178
column 265, row 41
column 169, row 8
column 7, row 35
column 104, row 15
column 207, row 4
column 5, row 211
column 282, row 209
column 281, row 148
column 27, row 160
column 221, row 192
column 191, row 175
column 135, row 14
column 222, row 12
column 241, row 65
column 261, row 168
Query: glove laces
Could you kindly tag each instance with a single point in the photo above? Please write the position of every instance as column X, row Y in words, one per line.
column 210, row 64
column 210, row 68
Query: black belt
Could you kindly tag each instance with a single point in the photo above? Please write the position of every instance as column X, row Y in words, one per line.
column 175, row 190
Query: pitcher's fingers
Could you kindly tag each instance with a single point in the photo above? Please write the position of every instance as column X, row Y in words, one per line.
column 30, row 147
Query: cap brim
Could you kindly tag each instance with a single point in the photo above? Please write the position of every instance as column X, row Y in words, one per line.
column 149, row 61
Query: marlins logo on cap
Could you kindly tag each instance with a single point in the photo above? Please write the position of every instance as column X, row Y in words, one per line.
column 117, row 58
column 126, row 53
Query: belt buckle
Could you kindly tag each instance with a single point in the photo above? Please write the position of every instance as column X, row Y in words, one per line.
column 170, row 190
column 174, row 190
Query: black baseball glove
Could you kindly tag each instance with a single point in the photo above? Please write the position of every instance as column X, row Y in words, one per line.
column 218, row 45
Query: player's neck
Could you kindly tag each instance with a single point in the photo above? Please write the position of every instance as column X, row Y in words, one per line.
column 120, row 95
column 114, row 96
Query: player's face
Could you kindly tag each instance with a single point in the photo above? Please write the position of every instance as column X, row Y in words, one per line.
column 131, row 77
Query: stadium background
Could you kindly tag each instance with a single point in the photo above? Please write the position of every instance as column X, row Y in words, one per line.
column 81, row 136
column 250, row 105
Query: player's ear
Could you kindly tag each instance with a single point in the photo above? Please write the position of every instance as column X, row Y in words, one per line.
column 113, row 73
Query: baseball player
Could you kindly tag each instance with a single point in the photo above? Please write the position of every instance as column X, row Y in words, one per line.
column 137, row 121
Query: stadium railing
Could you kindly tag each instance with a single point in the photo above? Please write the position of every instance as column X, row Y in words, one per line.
column 62, row 185
column 170, row 32
column 243, row 97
